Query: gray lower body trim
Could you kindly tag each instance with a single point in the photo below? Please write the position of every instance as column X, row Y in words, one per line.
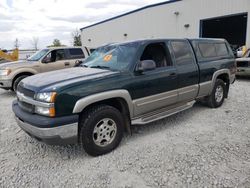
column 61, row 134
column 205, row 89
column 188, row 93
column 5, row 83
column 150, row 103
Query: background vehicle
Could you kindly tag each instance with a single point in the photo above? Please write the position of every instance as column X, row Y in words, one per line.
column 43, row 61
column 122, row 84
column 243, row 64
column 4, row 56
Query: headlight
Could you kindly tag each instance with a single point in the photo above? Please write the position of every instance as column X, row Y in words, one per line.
column 45, row 111
column 46, row 97
column 5, row 72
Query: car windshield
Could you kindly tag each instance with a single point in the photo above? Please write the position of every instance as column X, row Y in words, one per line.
column 114, row 57
column 38, row 55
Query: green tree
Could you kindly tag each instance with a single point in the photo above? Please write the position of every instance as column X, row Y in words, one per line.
column 76, row 36
column 56, row 43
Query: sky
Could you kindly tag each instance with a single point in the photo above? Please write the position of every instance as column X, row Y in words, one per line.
column 49, row 19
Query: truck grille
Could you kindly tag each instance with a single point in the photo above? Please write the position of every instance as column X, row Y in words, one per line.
column 25, row 91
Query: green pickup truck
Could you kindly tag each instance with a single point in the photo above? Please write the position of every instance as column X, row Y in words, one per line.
column 122, row 84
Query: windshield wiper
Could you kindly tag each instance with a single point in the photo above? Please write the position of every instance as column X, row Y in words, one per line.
column 100, row 67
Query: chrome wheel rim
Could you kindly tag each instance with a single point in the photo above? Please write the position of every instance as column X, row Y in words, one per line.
column 104, row 132
column 219, row 94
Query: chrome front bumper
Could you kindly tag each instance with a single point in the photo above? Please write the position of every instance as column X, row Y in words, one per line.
column 66, row 134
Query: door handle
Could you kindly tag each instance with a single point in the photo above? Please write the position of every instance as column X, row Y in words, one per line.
column 172, row 74
column 66, row 64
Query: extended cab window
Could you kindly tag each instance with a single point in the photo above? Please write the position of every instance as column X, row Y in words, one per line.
column 76, row 53
column 221, row 49
column 157, row 53
column 182, row 52
column 207, row 50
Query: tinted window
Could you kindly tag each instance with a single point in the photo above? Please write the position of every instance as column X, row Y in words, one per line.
column 182, row 52
column 76, row 52
column 221, row 49
column 207, row 50
column 60, row 55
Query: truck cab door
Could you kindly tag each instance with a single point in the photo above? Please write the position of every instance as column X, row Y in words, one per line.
column 187, row 68
column 55, row 60
column 155, row 89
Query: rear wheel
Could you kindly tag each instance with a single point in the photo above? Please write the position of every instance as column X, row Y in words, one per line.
column 16, row 82
column 101, row 129
column 218, row 94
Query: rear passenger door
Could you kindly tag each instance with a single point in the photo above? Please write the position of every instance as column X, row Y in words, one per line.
column 187, row 68
column 74, row 56
column 155, row 89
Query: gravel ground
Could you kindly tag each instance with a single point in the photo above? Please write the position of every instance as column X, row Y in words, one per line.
column 200, row 147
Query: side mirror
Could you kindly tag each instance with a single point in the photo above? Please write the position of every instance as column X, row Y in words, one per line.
column 146, row 65
column 78, row 63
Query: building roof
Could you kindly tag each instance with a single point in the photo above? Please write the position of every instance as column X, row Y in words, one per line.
column 131, row 12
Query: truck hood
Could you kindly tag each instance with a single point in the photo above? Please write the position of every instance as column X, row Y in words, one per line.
column 15, row 64
column 55, row 79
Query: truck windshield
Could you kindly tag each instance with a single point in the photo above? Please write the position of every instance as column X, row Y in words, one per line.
column 38, row 55
column 114, row 57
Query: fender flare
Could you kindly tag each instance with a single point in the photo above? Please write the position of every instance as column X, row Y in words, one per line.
column 218, row 73
column 81, row 104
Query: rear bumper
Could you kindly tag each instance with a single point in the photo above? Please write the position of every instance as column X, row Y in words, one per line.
column 53, row 131
column 5, row 84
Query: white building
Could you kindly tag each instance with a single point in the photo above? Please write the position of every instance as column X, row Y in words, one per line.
column 176, row 19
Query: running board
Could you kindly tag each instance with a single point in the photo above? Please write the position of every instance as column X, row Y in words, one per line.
column 160, row 114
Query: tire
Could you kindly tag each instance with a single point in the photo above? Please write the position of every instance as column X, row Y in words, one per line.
column 218, row 94
column 16, row 82
column 95, row 124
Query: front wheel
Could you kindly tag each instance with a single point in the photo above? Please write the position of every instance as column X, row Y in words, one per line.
column 218, row 94
column 101, row 129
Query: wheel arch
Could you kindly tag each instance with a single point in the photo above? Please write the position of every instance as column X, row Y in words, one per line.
column 123, row 95
column 224, row 75
column 120, row 99
column 26, row 73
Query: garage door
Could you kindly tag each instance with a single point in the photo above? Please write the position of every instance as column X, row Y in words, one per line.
column 231, row 27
